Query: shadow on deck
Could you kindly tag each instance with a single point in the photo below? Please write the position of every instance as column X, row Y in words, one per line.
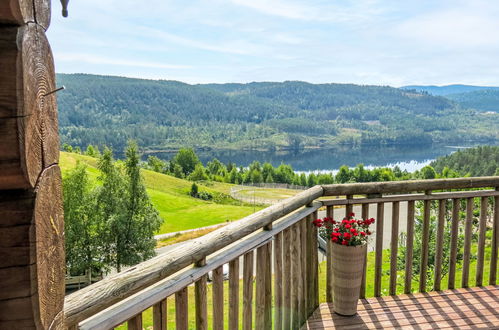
column 455, row 309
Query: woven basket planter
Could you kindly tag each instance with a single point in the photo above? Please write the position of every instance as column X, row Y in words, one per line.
column 348, row 266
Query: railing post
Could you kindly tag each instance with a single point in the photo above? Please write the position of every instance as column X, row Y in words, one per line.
column 200, row 299
column 329, row 263
column 234, row 294
column 263, row 318
column 453, row 243
column 409, row 247
column 467, row 242
column 218, row 298
column 495, row 242
column 481, row 240
column 379, row 249
column 394, row 248
column 425, row 244
column 247, row 292
column 439, row 245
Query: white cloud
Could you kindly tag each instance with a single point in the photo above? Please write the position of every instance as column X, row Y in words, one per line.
column 95, row 59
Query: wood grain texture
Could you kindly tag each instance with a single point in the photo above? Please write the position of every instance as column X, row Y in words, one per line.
column 453, row 309
column 378, row 259
column 247, row 291
column 201, row 299
column 394, row 242
column 372, row 198
column 286, row 286
column 278, row 281
column 495, row 242
column 31, row 280
column 365, row 215
column 481, row 241
column 28, row 118
column 135, row 323
column 439, row 245
column 16, row 12
column 19, row 12
column 453, row 244
column 159, row 313
column 425, row 245
column 409, row 186
column 218, row 298
column 181, row 310
column 234, row 294
column 467, row 242
column 47, row 235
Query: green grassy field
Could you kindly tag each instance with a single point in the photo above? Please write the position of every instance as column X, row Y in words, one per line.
column 267, row 193
column 170, row 197
column 147, row 314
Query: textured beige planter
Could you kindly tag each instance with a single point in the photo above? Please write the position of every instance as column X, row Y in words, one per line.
column 347, row 264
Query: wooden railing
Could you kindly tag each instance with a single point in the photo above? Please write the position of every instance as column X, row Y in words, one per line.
column 282, row 241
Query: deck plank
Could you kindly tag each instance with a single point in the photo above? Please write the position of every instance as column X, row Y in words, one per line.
column 466, row 308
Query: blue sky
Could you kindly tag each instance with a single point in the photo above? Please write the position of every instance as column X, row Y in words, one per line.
column 385, row 42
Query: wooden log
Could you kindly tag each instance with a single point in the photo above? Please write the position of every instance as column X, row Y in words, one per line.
column 378, row 261
column 439, row 245
column 278, row 281
column 19, row 12
column 181, row 310
column 16, row 12
column 29, row 118
column 88, row 301
column 409, row 186
column 33, row 252
column 467, row 243
column 159, row 312
column 394, row 248
column 201, row 300
column 495, row 242
column 425, row 245
column 218, row 298
column 135, row 323
column 247, row 292
column 453, row 243
column 481, row 240
column 234, row 294
column 287, row 285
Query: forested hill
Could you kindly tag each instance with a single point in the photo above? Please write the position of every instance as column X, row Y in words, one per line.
column 169, row 114
column 449, row 89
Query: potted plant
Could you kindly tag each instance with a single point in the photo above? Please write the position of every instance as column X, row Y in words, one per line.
column 348, row 252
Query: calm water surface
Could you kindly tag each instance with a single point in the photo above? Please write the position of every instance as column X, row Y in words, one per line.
column 408, row 158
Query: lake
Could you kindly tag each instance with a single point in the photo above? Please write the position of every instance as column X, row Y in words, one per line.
column 408, row 158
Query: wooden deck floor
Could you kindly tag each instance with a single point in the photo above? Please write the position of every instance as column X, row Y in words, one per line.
column 455, row 309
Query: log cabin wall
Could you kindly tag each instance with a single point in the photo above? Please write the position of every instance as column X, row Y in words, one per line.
column 31, row 214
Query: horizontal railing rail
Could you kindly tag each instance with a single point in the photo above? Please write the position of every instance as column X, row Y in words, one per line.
column 286, row 242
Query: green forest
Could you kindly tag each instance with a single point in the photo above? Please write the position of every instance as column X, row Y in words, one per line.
column 165, row 115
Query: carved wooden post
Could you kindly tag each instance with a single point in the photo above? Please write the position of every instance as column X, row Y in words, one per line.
column 31, row 214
